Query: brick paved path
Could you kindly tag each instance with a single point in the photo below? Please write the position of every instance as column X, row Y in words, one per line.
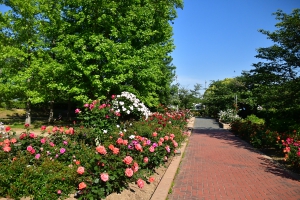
column 218, row 165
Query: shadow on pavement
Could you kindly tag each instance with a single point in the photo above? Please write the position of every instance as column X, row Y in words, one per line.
column 276, row 168
column 209, row 127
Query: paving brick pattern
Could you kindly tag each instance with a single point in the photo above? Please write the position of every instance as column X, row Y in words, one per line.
column 218, row 165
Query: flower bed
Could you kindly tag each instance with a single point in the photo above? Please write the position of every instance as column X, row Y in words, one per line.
column 99, row 156
column 284, row 144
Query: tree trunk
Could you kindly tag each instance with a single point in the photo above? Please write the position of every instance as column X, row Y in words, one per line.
column 50, row 120
column 28, row 116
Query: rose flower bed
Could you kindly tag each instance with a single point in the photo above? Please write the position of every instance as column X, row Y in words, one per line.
column 103, row 155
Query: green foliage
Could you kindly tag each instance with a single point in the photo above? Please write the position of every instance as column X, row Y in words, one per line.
column 183, row 97
column 13, row 104
column 275, row 82
column 228, row 94
column 256, row 134
column 74, row 51
column 86, row 159
column 254, row 119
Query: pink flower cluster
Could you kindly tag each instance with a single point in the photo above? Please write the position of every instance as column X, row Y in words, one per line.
column 288, row 144
column 6, row 144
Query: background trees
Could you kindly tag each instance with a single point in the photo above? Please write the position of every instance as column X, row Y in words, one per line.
column 276, row 81
column 184, row 98
column 273, row 84
column 75, row 50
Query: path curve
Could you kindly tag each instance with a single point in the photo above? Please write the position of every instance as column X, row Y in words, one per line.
column 218, row 165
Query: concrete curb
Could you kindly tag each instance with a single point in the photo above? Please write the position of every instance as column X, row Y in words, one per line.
column 162, row 190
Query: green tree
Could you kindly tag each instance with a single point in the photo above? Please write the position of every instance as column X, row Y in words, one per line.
column 276, row 81
column 20, row 53
column 230, row 93
column 75, row 50
column 185, row 98
column 111, row 46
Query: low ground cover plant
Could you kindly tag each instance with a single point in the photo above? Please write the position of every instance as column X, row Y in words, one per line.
column 116, row 142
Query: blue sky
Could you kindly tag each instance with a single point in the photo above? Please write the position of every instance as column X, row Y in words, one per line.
column 217, row 39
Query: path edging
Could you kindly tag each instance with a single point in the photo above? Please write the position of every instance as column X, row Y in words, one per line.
column 162, row 190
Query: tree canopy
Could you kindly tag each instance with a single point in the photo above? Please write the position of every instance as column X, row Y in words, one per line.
column 83, row 50
column 273, row 84
column 276, row 81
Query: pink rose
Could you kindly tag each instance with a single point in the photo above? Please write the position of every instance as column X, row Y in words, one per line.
column 29, row 148
column 6, row 148
column 32, row 135
column 116, row 151
column 154, row 134
column 151, row 179
column 54, row 129
column 13, row 140
column 51, row 144
column 80, row 170
column 86, row 105
column 81, row 186
column 125, row 142
column 127, row 160
column 32, row 151
column 146, row 160
column 166, row 137
column 119, row 141
column 128, row 172
column 71, row 130
column 175, row 144
column 37, row 156
column 140, row 183
column 43, row 140
column 77, row 111
column 138, row 147
column 92, row 106
column 161, row 139
column 101, row 150
column 135, row 167
column 104, row 177
column 22, row 136
column 168, row 149
column 7, row 128
column 62, row 150
column 151, row 149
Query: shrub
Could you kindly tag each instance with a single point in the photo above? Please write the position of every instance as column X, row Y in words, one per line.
column 100, row 157
column 254, row 119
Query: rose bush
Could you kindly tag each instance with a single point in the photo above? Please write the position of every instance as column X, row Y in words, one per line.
column 102, row 155
column 260, row 136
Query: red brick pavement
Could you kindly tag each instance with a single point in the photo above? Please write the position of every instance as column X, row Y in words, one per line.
column 218, row 165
